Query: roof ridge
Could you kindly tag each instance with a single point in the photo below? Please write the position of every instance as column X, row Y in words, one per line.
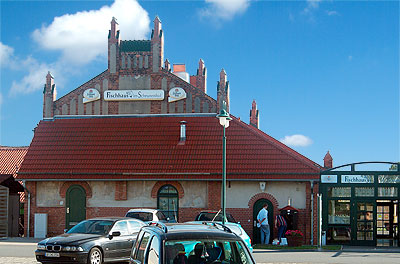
column 280, row 145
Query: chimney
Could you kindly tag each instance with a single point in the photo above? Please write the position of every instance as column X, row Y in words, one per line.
column 328, row 161
column 49, row 96
column 180, row 71
column 254, row 115
column 223, row 92
column 200, row 79
column 183, row 131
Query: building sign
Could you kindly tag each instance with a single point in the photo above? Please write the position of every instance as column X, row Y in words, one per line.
column 176, row 94
column 357, row 179
column 132, row 95
column 328, row 178
column 90, row 95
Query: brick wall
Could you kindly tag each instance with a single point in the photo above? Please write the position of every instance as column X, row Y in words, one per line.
column 56, row 215
column 113, row 84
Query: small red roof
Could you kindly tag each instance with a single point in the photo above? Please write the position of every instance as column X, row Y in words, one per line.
column 11, row 159
column 288, row 208
column 150, row 148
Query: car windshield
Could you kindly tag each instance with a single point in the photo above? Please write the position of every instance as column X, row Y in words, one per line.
column 206, row 251
column 144, row 216
column 212, row 217
column 98, row 227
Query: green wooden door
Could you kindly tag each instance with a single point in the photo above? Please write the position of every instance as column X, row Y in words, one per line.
column 75, row 209
column 256, row 231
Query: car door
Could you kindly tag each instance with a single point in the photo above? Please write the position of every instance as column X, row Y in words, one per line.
column 140, row 251
column 134, row 227
column 121, row 245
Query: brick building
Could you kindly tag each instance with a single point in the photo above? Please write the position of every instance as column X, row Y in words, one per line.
column 145, row 134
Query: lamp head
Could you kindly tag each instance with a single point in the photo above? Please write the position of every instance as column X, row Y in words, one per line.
column 224, row 118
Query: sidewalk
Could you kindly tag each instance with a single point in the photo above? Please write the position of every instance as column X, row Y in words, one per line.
column 13, row 240
column 371, row 249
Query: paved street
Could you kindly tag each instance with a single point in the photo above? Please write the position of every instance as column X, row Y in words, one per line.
column 21, row 252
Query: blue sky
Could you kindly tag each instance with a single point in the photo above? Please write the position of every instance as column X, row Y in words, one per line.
column 324, row 74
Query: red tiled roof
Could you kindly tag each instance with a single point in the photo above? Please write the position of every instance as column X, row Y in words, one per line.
column 11, row 159
column 148, row 147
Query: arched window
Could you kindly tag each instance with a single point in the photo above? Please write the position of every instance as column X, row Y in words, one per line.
column 168, row 201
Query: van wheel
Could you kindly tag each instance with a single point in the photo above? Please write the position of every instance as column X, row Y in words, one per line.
column 95, row 256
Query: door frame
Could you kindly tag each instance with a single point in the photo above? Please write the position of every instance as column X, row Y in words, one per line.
column 257, row 206
column 68, row 203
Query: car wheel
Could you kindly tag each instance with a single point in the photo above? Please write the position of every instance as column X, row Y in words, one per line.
column 95, row 256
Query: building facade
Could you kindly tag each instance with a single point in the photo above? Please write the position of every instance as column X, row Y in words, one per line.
column 145, row 134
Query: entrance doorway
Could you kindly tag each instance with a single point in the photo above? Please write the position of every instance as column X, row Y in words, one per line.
column 364, row 224
column 387, row 222
column 258, row 205
column 75, row 210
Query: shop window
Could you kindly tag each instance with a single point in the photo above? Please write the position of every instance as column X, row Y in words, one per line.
column 339, row 192
column 389, row 178
column 339, row 212
column 364, row 191
column 387, row 191
column 168, row 201
column 339, row 234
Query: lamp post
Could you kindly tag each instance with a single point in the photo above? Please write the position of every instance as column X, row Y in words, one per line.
column 224, row 119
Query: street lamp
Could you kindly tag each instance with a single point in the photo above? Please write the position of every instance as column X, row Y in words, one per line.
column 224, row 119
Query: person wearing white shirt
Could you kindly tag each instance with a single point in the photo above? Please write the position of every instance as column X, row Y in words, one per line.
column 262, row 219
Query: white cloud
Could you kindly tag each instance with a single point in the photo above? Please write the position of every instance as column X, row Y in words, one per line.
column 35, row 78
column 224, row 9
column 311, row 5
column 6, row 52
column 82, row 37
column 296, row 141
column 332, row 13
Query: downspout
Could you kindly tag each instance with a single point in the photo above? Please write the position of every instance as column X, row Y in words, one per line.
column 29, row 210
column 312, row 212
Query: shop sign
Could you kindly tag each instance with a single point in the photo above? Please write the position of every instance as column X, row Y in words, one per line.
column 328, row 178
column 176, row 94
column 132, row 95
column 90, row 95
column 357, row 179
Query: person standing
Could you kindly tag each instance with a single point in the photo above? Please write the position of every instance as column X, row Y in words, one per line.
column 281, row 224
column 262, row 219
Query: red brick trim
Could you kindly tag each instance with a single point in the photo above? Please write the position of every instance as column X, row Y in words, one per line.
column 267, row 196
column 159, row 184
column 83, row 184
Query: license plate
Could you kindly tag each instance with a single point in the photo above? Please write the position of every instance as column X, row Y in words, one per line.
column 52, row 255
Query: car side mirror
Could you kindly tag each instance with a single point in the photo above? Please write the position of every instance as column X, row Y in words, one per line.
column 114, row 234
column 65, row 230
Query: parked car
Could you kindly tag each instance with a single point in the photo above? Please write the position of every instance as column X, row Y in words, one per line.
column 214, row 216
column 237, row 229
column 189, row 244
column 92, row 241
column 148, row 215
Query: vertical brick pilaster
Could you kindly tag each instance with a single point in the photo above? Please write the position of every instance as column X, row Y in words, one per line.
column 121, row 191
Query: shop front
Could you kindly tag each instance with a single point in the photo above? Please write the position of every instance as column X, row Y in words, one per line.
column 361, row 208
